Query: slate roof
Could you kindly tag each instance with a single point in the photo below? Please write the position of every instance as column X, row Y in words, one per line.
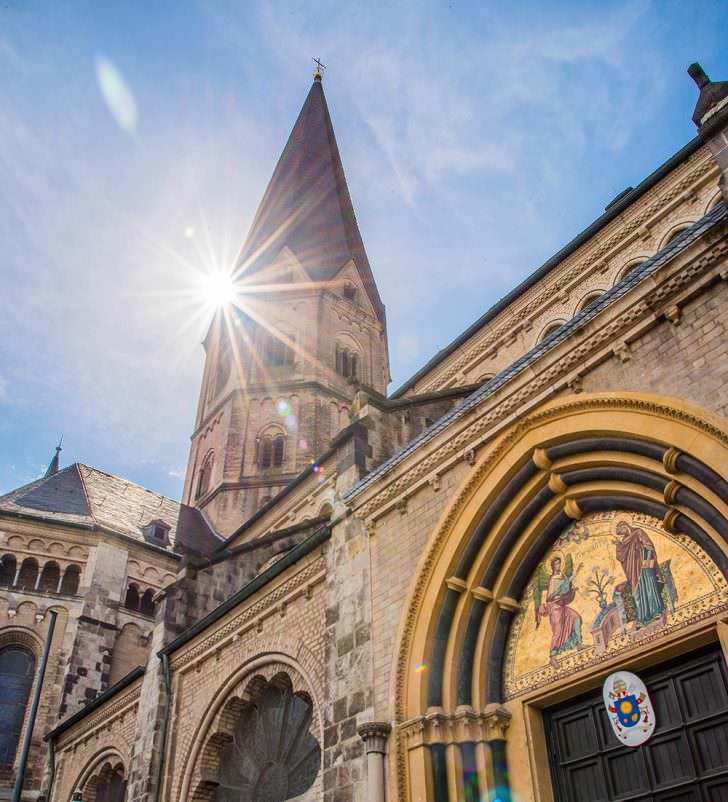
column 639, row 274
column 307, row 205
column 83, row 496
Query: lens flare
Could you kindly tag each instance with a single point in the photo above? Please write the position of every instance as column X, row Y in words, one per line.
column 219, row 289
column 420, row 668
column 284, row 408
column 117, row 94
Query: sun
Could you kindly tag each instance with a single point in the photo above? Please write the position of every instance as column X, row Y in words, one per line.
column 219, row 289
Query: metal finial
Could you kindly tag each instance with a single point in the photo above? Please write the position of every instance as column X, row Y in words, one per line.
column 318, row 75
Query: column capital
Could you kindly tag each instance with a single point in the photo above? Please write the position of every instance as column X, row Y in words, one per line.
column 374, row 734
column 497, row 720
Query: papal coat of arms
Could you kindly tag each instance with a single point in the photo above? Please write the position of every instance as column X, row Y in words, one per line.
column 629, row 707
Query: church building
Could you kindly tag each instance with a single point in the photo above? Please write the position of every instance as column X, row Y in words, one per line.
column 506, row 580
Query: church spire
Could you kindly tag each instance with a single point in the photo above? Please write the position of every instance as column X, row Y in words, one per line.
column 54, row 465
column 307, row 206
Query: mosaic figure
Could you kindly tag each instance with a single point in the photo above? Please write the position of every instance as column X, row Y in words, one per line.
column 637, row 555
column 560, row 593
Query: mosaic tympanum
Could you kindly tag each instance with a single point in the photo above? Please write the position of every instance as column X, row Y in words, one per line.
column 609, row 581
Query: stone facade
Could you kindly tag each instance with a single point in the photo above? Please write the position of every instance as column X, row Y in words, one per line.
column 374, row 594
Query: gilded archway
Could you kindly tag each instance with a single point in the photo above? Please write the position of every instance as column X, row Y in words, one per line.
column 657, row 462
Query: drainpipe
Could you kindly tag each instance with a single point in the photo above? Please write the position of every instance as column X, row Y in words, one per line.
column 164, row 657
column 375, row 734
column 18, row 789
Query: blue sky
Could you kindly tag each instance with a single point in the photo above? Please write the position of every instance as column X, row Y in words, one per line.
column 477, row 137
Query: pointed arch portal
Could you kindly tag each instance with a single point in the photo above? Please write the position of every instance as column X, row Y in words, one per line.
column 541, row 512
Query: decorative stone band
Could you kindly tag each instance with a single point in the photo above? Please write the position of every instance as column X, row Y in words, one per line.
column 709, row 227
column 375, row 734
column 465, row 725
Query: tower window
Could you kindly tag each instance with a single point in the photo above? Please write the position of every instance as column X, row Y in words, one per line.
column 350, row 292
column 347, row 363
column 271, row 451
column 276, row 352
column 204, row 480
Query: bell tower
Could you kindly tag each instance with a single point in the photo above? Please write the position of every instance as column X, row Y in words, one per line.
column 307, row 329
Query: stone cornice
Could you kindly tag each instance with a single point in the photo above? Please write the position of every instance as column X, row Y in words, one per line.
column 581, row 351
column 270, row 601
column 592, row 257
column 105, row 718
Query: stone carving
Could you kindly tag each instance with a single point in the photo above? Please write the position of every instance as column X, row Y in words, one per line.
column 272, row 756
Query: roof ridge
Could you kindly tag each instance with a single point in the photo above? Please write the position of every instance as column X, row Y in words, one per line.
column 127, row 481
column 90, row 506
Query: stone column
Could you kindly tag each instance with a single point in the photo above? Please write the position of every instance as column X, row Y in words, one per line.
column 375, row 734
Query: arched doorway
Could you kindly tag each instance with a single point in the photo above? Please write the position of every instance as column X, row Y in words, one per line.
column 533, row 529
column 17, row 670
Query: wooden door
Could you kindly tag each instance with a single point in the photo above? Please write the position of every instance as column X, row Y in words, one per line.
column 686, row 760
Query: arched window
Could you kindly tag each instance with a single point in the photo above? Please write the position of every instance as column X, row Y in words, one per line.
column 71, row 580
column 347, row 363
column 131, row 602
column 8, row 567
column 271, row 451
column 276, row 352
column 108, row 786
column 17, row 667
column 28, row 574
column 279, row 444
column 50, row 578
column 204, row 479
column 350, row 292
column 146, row 604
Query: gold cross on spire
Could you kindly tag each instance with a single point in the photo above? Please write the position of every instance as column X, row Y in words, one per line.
column 318, row 75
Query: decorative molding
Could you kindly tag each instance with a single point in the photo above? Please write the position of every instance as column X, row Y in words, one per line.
column 465, row 725
column 481, row 428
column 456, row 584
column 374, row 734
column 511, row 605
column 556, row 484
column 540, row 460
column 572, row 509
column 482, row 594
column 267, row 604
column 669, row 460
column 594, row 256
column 673, row 314
column 670, row 493
column 497, row 722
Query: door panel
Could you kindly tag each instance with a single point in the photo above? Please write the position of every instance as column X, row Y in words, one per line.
column 686, row 760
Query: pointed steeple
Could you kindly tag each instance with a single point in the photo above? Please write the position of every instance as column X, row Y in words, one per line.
column 307, row 206
column 54, row 464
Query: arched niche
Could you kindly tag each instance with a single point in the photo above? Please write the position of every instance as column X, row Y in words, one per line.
column 262, row 738
column 650, row 459
column 104, row 779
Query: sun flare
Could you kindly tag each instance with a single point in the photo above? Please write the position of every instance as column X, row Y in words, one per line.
column 219, row 289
